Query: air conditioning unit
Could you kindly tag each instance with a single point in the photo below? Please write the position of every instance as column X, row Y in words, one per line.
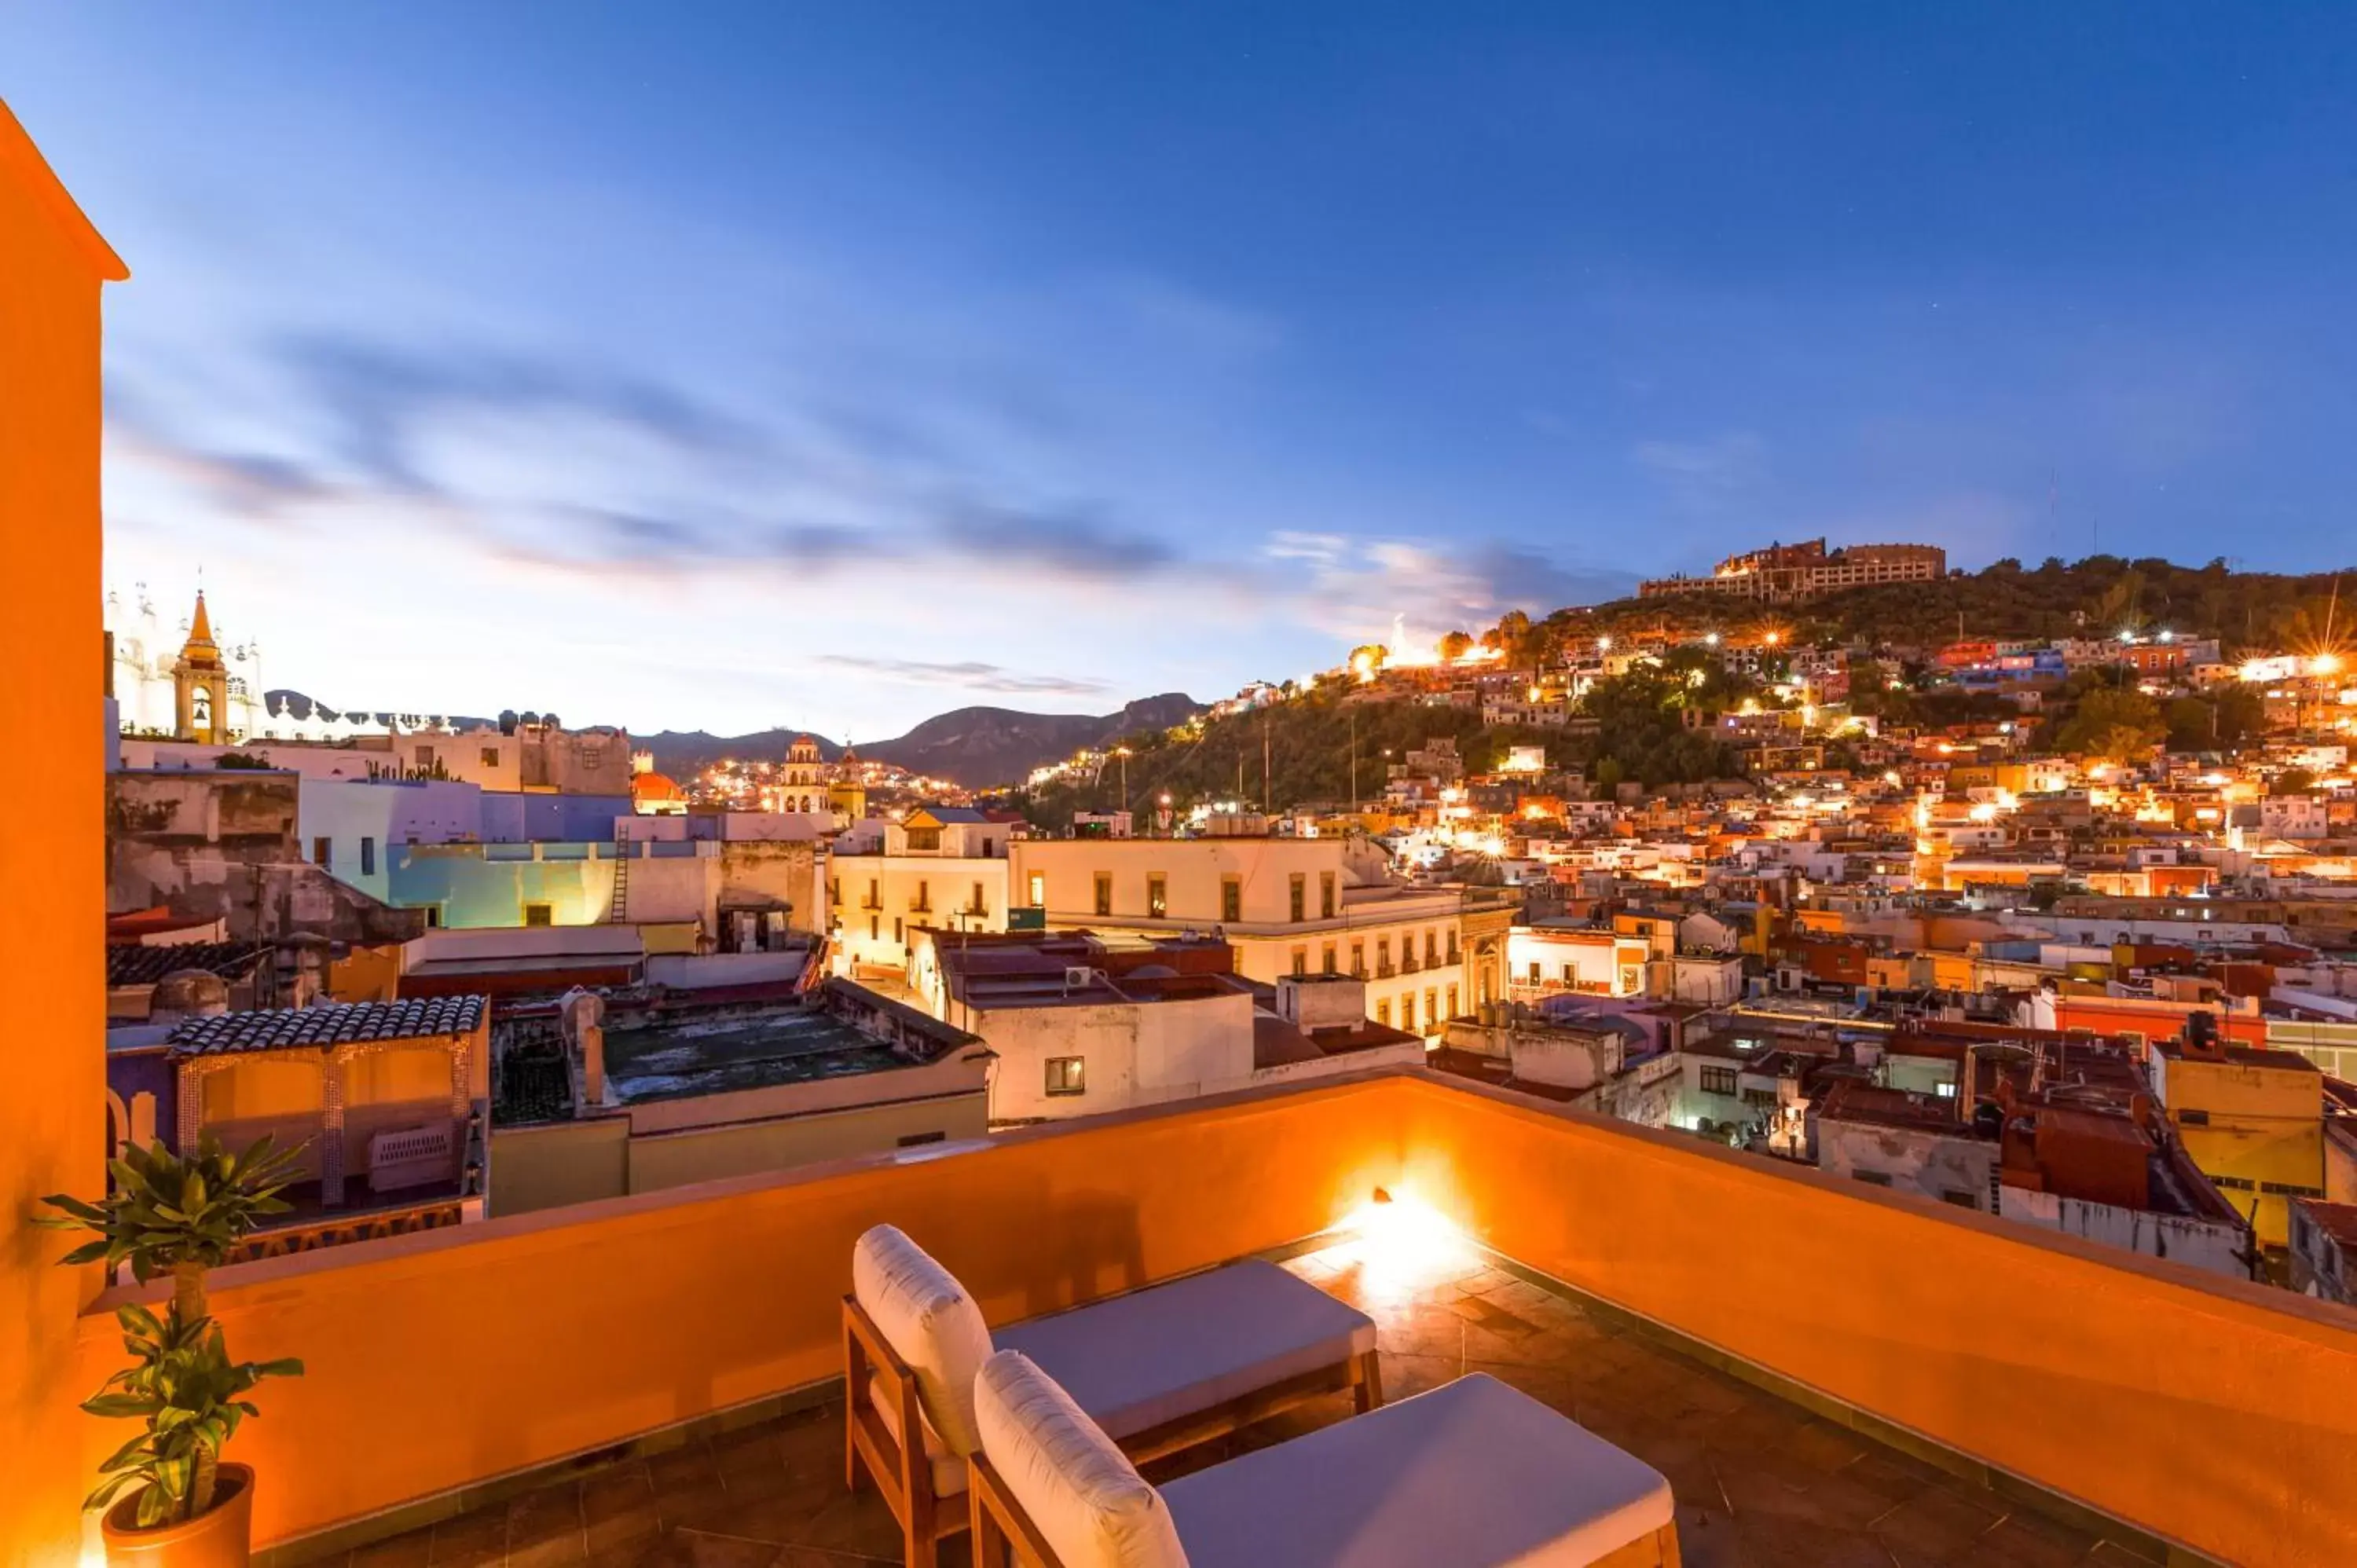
column 1077, row 975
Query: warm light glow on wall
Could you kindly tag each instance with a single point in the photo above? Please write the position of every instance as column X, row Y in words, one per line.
column 1401, row 1242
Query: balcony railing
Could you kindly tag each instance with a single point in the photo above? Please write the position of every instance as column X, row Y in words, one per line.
column 2206, row 1412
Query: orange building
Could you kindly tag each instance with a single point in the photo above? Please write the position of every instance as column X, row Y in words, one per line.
column 53, row 860
column 2145, row 1020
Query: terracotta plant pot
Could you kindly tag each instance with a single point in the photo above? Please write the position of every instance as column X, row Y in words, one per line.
column 221, row 1537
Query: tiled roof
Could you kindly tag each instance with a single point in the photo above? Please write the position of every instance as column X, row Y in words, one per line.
column 130, row 963
column 280, row 1028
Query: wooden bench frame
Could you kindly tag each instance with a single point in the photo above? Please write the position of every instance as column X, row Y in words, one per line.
column 904, row 1474
column 1004, row 1533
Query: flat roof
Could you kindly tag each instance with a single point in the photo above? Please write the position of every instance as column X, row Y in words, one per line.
column 2242, row 1056
column 792, row 1044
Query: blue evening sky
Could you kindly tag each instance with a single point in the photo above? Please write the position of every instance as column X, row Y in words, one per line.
column 832, row 365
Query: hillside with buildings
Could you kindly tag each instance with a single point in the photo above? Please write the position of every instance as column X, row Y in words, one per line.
column 2095, row 597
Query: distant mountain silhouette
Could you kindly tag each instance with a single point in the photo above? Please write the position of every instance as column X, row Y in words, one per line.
column 974, row 746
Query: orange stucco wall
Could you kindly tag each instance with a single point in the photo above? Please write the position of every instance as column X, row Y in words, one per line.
column 437, row 1359
column 2153, row 1020
column 52, row 859
column 2222, row 1415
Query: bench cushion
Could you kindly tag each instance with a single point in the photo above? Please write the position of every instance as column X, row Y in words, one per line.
column 1138, row 1360
column 1080, row 1492
column 929, row 1320
column 1471, row 1475
column 949, row 1469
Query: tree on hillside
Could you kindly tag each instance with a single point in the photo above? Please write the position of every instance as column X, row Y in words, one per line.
column 2113, row 722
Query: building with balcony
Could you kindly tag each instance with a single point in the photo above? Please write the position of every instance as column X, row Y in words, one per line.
column 942, row 867
column 1782, row 573
column 1287, row 905
column 1548, row 958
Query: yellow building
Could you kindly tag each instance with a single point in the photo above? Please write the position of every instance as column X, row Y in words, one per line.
column 846, row 789
column 2252, row 1119
column 1287, row 905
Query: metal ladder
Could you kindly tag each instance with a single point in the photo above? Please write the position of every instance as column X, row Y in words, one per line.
column 620, row 909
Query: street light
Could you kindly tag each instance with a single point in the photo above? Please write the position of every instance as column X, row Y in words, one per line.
column 1122, row 752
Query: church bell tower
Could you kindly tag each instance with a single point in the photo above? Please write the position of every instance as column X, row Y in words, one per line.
column 201, row 684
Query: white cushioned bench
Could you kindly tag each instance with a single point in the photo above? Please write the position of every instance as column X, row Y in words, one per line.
column 1471, row 1475
column 1139, row 1361
column 1158, row 1370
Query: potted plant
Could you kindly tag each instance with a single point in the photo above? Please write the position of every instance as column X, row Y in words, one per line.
column 177, row 1214
column 168, row 1499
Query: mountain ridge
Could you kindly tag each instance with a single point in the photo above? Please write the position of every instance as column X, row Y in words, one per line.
column 976, row 746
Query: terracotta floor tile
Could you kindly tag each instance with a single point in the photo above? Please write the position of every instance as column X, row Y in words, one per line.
column 1759, row 1483
column 690, row 1464
column 1935, row 1524
column 1894, row 1474
column 414, row 1549
column 1708, row 1538
column 859, row 1526
column 545, row 1528
column 2028, row 1540
column 1405, row 1375
column 623, row 1489
column 1517, row 1294
column 695, row 1548
column 1543, row 1384
column 693, row 1506
column 472, row 1540
column 1780, row 1542
column 621, row 1530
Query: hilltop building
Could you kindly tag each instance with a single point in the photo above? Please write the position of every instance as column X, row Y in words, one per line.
column 1783, row 573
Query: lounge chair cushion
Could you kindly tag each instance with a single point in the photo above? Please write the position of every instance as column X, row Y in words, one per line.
column 1135, row 1361
column 949, row 1469
column 929, row 1320
column 1471, row 1475
column 1080, row 1492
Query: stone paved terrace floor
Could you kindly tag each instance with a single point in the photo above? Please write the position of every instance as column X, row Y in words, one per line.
column 1760, row 1483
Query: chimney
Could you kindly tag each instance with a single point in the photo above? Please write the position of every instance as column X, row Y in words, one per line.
column 2201, row 1040
column 582, row 1019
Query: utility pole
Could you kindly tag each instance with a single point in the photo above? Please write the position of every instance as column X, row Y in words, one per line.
column 1267, row 790
column 1354, row 761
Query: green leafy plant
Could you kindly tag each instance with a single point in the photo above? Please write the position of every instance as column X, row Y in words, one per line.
column 183, row 1385
column 177, row 1214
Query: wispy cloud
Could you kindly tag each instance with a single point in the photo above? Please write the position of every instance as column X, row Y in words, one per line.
column 1421, row 588
column 581, row 470
column 968, row 674
column 1705, row 474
